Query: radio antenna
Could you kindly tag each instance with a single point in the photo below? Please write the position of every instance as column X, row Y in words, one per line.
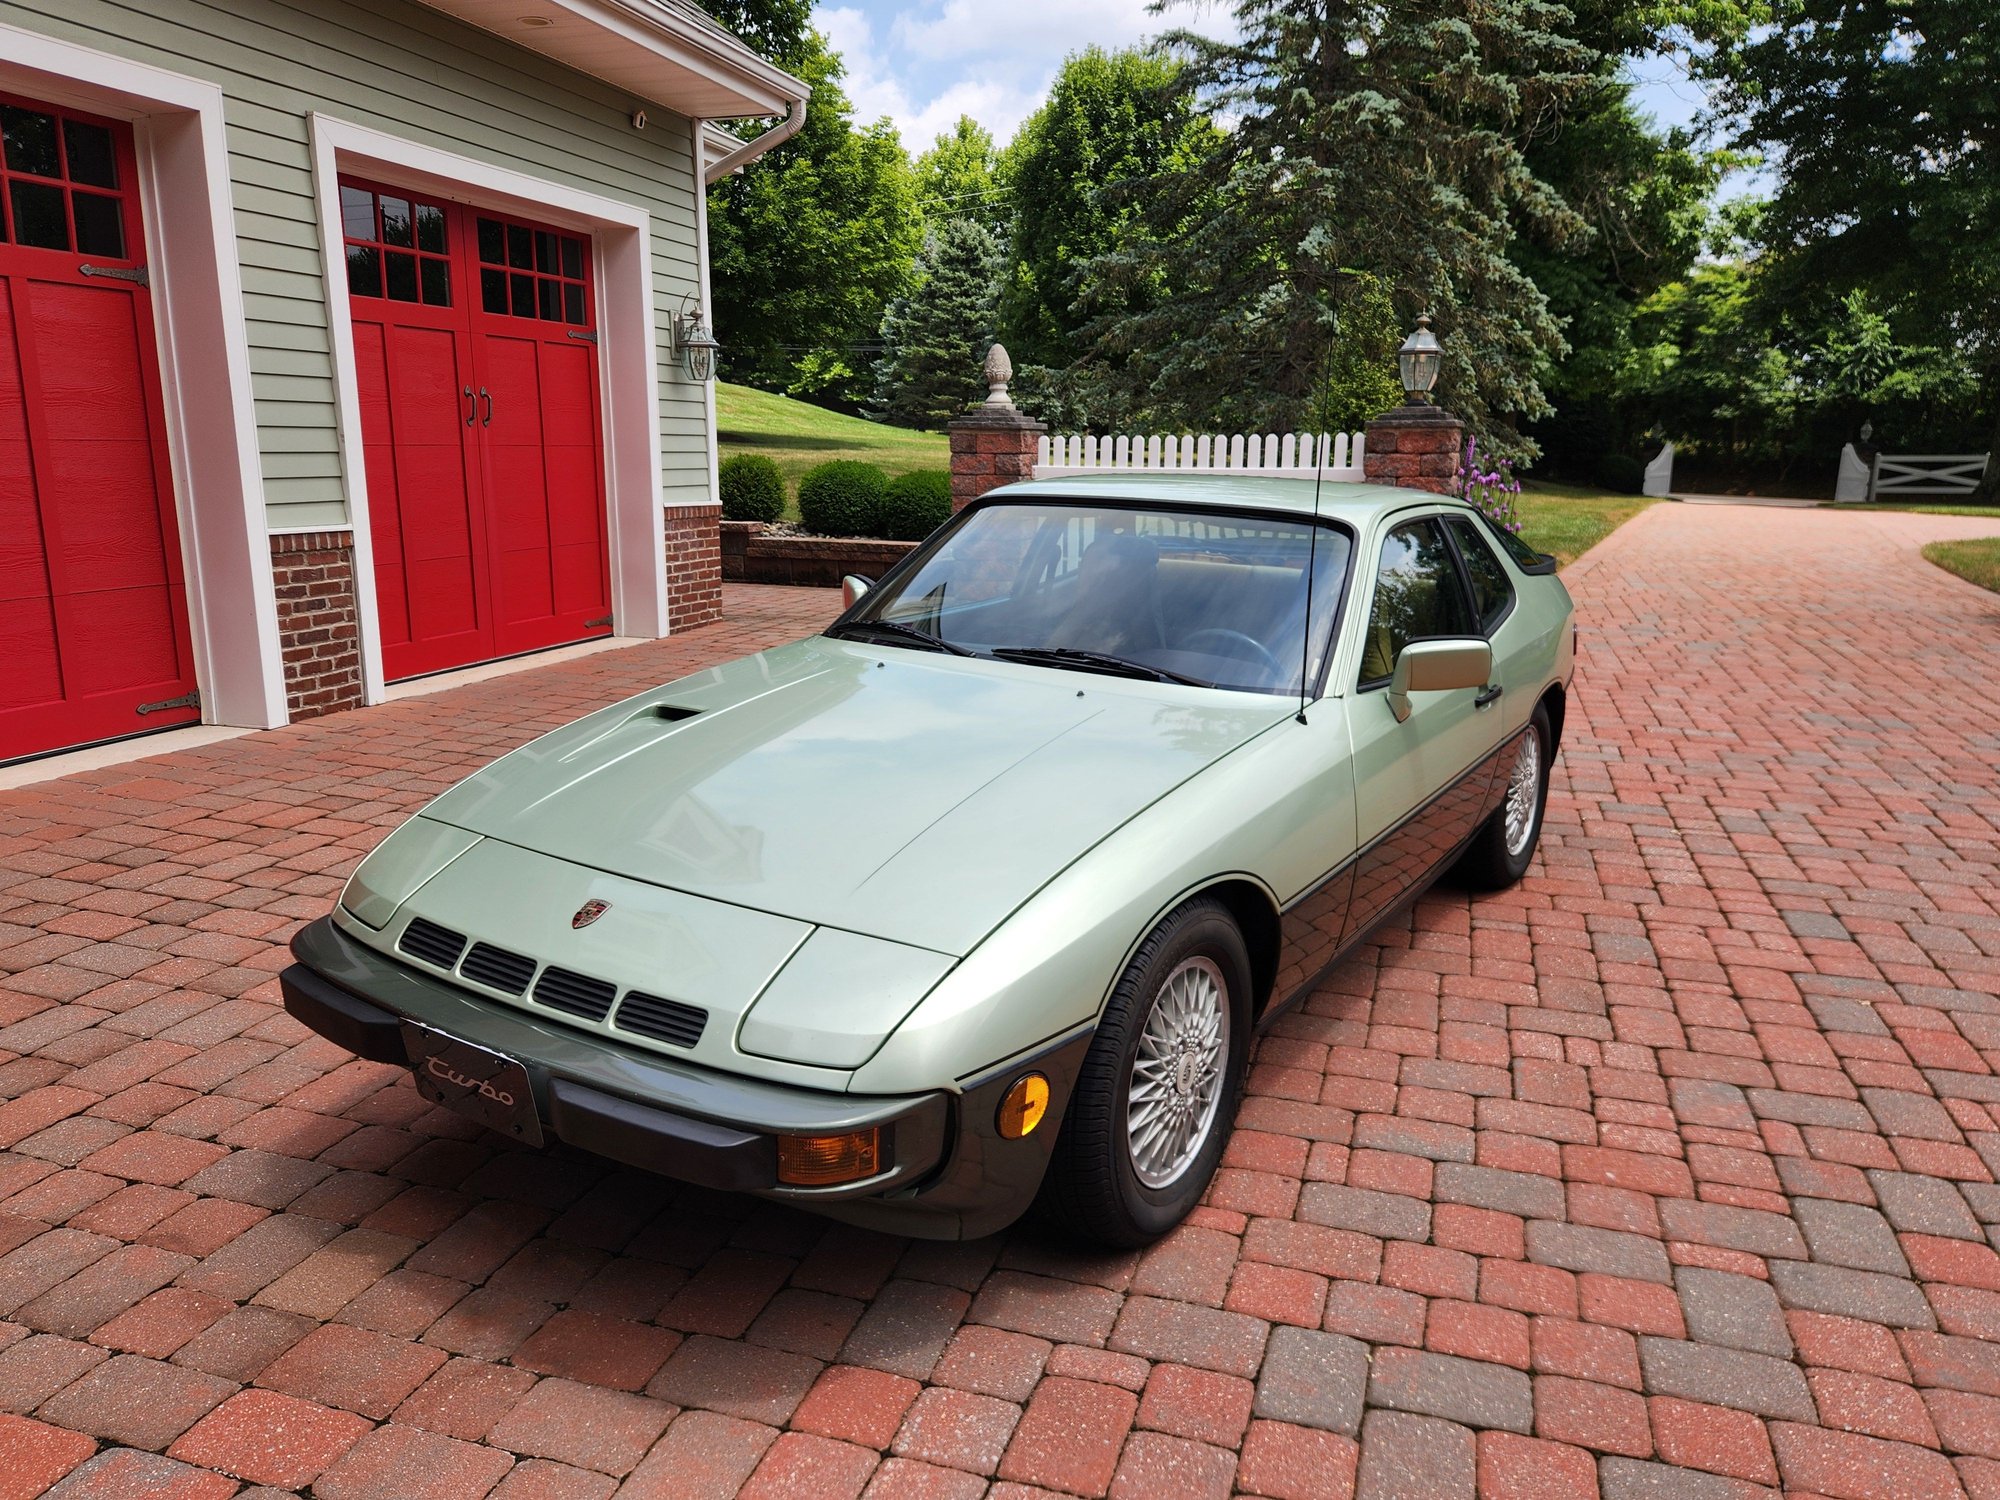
column 1322, row 440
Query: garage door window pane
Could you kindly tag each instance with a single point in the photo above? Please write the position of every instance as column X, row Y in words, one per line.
column 493, row 290
column 364, row 271
column 400, row 272
column 430, row 228
column 436, row 276
column 30, row 139
column 572, row 258
column 520, row 247
column 524, row 296
column 100, row 228
column 395, row 221
column 573, row 303
column 357, row 213
column 1417, row 596
column 38, row 216
column 91, row 159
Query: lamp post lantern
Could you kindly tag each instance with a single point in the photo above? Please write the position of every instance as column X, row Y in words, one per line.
column 1420, row 359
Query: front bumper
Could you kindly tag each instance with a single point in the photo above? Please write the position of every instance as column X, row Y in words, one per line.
column 949, row 1174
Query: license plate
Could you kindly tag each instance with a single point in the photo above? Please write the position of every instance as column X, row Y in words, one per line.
column 481, row 1085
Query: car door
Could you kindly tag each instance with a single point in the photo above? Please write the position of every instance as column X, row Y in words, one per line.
column 1421, row 784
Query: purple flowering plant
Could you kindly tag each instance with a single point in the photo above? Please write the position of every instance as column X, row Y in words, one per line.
column 1490, row 490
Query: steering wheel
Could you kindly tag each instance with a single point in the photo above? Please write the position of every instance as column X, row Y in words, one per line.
column 1255, row 647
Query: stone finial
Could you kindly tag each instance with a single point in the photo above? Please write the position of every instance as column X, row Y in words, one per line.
column 998, row 370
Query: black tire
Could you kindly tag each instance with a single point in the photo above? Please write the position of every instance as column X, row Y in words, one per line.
column 1093, row 1189
column 1488, row 864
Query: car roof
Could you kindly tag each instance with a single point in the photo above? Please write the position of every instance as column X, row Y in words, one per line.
column 1335, row 500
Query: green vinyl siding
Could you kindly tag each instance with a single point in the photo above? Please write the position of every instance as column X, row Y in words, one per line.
column 397, row 67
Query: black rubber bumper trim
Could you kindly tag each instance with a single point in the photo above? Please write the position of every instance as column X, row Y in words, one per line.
column 712, row 1129
column 688, row 1150
column 363, row 1029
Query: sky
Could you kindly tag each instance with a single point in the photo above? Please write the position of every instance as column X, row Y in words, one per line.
column 923, row 63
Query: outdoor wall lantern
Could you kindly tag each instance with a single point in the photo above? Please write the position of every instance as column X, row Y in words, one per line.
column 1420, row 358
column 697, row 345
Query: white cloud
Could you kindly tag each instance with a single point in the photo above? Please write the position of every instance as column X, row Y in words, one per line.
column 923, row 65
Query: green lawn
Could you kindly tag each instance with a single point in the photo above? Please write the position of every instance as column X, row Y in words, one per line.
column 1568, row 519
column 1976, row 562
column 798, row 435
column 1937, row 507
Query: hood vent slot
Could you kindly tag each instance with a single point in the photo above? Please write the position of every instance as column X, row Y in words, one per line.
column 498, row 969
column 662, row 1020
column 575, row 994
column 435, row 945
column 671, row 713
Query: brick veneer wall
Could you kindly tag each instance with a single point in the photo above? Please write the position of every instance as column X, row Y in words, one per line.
column 1416, row 447
column 694, row 566
column 319, row 629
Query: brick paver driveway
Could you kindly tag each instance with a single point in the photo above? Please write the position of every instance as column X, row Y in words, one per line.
column 1669, row 1174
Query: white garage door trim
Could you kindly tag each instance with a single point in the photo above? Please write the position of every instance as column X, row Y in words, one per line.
column 204, row 353
column 621, row 242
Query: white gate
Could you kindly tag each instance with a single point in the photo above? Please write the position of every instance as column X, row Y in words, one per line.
column 1289, row 455
column 1926, row 474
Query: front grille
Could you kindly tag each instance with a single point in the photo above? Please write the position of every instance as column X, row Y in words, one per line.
column 432, row 943
column 576, row 994
column 662, row 1020
column 498, row 968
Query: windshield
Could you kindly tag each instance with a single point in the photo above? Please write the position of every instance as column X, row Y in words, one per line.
column 1207, row 597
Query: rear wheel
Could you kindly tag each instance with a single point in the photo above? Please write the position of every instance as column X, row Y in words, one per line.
column 1156, row 1098
column 1502, row 849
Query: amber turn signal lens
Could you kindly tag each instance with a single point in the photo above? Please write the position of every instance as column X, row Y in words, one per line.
column 1023, row 1107
column 823, row 1160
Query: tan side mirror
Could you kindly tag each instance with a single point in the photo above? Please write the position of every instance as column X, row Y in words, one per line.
column 1438, row 667
column 852, row 587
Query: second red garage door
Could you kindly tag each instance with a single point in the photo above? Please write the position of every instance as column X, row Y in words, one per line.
column 477, row 367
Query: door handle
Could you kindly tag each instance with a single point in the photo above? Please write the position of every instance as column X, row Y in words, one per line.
column 1487, row 694
column 468, row 406
column 487, row 397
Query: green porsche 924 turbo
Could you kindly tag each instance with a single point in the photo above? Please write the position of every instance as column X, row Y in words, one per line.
column 978, row 896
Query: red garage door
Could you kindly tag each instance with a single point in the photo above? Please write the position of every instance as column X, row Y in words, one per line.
column 93, row 607
column 478, row 381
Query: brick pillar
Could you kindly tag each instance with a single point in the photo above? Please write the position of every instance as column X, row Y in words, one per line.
column 319, row 631
column 694, row 565
column 993, row 444
column 1416, row 446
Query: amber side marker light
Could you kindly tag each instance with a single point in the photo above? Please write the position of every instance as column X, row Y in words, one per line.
column 1023, row 1107
column 823, row 1160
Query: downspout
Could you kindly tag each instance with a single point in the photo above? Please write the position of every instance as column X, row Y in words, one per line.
column 777, row 135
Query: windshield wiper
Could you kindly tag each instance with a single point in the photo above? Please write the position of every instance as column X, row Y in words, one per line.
column 1095, row 661
column 901, row 632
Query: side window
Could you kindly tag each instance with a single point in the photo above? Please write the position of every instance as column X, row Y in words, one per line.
column 1491, row 592
column 1417, row 595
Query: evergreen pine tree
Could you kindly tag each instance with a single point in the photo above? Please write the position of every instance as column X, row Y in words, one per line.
column 1375, row 147
column 935, row 335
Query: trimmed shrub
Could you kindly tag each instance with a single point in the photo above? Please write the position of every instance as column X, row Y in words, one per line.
column 917, row 503
column 1621, row 474
column 843, row 498
column 752, row 487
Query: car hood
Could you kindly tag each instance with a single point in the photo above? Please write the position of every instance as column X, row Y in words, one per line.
column 897, row 793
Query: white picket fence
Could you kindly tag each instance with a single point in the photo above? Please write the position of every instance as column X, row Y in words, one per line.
column 1926, row 474
column 1288, row 455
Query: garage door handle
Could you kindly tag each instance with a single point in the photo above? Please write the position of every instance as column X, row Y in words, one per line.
column 1487, row 695
column 485, row 396
column 468, row 406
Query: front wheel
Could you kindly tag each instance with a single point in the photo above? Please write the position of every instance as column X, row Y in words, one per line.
column 1156, row 1097
column 1501, row 850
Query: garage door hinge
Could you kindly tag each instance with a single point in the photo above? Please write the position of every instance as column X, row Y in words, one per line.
column 584, row 335
column 134, row 274
column 593, row 624
column 190, row 700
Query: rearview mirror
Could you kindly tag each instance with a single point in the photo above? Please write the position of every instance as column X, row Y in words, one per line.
column 1438, row 667
column 852, row 587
